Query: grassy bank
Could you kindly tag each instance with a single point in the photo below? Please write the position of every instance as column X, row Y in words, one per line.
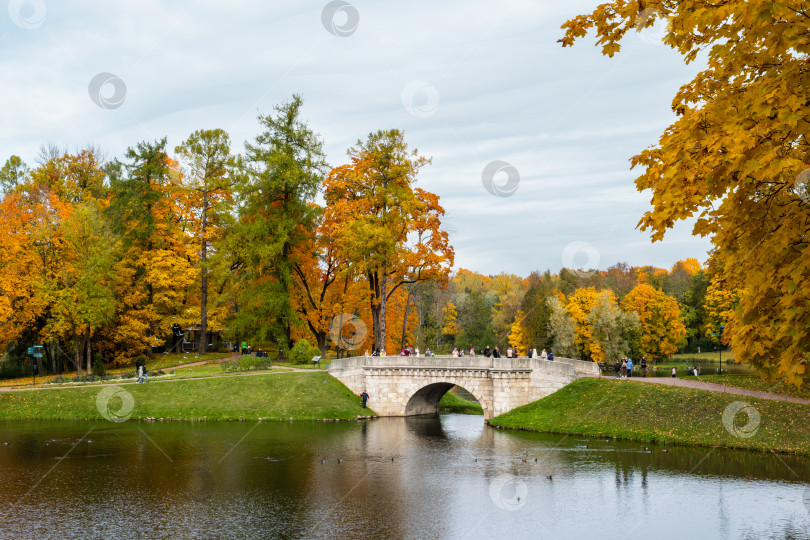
column 653, row 413
column 278, row 396
column 451, row 403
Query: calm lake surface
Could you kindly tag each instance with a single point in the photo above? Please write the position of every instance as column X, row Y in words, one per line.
column 442, row 477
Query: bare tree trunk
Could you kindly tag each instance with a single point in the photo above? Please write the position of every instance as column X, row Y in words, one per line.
column 383, row 311
column 203, row 347
column 405, row 319
column 151, row 331
column 89, row 352
column 77, row 348
column 374, row 284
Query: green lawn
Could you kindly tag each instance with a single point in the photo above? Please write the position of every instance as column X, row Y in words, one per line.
column 653, row 413
column 272, row 396
column 451, row 403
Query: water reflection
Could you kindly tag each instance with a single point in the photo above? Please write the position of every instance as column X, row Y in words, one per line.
column 418, row 477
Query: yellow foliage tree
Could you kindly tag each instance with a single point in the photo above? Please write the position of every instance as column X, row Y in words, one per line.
column 737, row 158
column 449, row 314
column 518, row 334
column 660, row 317
column 579, row 305
column 719, row 304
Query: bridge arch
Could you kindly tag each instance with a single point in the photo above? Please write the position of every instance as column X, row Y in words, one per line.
column 426, row 399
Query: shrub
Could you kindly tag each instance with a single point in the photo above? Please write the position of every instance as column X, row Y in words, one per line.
column 98, row 367
column 303, row 352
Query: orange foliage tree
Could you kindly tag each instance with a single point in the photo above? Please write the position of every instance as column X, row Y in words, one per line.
column 389, row 228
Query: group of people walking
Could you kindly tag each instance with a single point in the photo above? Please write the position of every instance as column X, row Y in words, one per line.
column 624, row 367
column 511, row 352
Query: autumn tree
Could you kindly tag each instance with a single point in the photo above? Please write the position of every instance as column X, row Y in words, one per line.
column 719, row 304
column 82, row 291
column 155, row 270
column 28, row 258
column 615, row 331
column 535, row 321
column 207, row 166
column 14, row 173
column 660, row 317
column 579, row 305
column 510, row 291
column 518, row 336
column 736, row 158
column 450, row 325
column 387, row 226
column 283, row 170
column 562, row 329
column 327, row 286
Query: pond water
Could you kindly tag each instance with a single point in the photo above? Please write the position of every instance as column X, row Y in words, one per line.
column 425, row 477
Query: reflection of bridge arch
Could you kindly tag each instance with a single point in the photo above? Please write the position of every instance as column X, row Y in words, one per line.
column 426, row 400
column 404, row 386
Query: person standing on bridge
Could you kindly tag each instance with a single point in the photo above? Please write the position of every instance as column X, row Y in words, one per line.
column 550, row 355
column 455, row 352
column 364, row 396
column 487, row 352
column 496, row 353
column 544, row 355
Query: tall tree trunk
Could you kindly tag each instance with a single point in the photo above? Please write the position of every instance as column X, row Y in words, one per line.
column 383, row 302
column 203, row 347
column 151, row 330
column 78, row 348
column 374, row 285
column 405, row 319
column 89, row 352
column 320, row 337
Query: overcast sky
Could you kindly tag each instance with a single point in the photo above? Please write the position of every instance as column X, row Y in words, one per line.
column 470, row 83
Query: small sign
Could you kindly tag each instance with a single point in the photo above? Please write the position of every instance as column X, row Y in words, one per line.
column 38, row 355
column 30, row 350
column 316, row 359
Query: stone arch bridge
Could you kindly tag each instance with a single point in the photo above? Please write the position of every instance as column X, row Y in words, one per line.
column 413, row 385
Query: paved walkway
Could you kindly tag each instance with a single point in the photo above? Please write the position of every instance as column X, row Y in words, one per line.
column 273, row 370
column 714, row 387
